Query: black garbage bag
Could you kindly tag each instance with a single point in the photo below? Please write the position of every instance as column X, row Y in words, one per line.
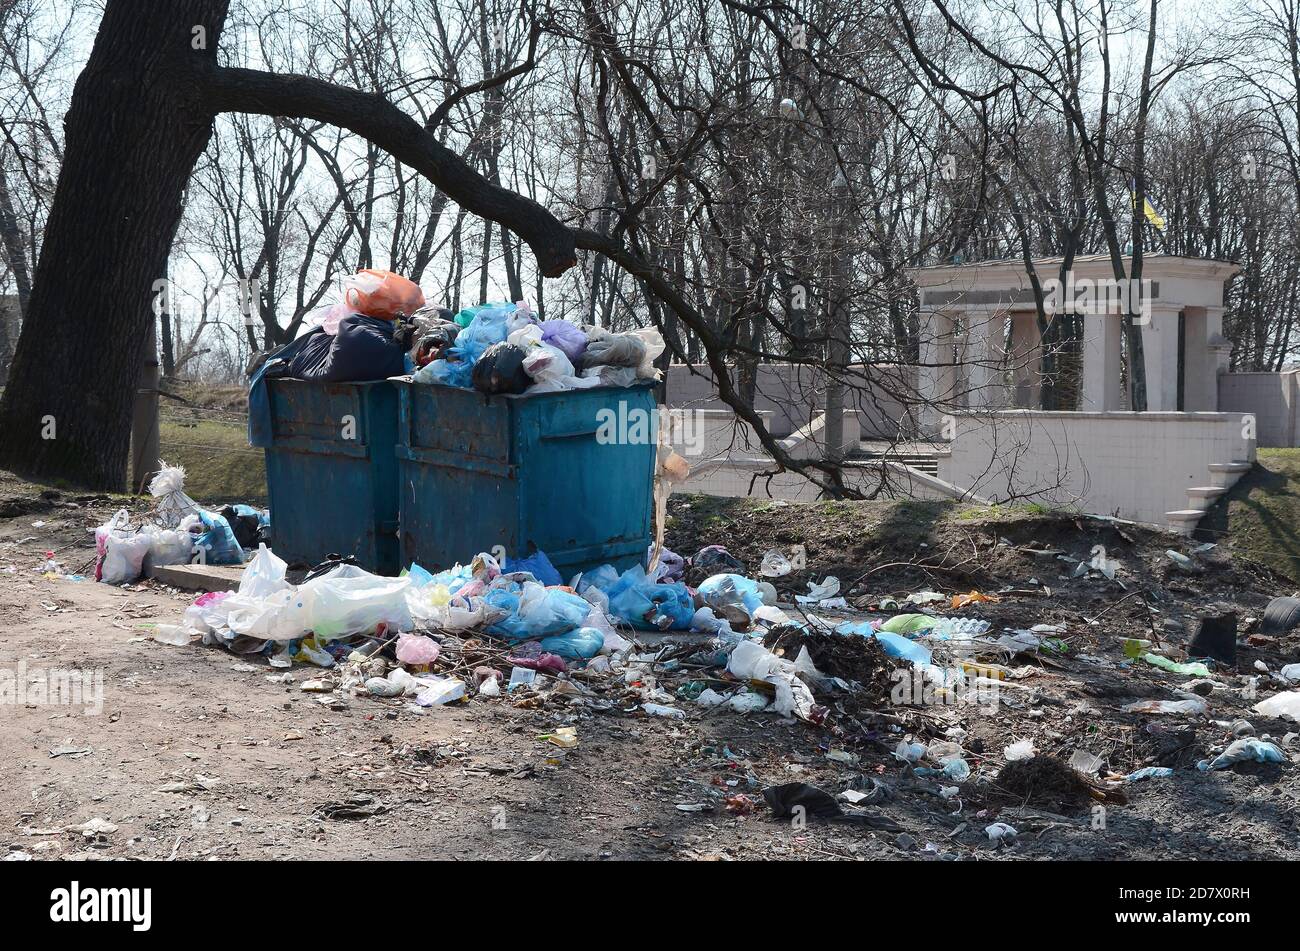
column 247, row 528
column 710, row 561
column 363, row 349
column 501, row 370
column 433, row 342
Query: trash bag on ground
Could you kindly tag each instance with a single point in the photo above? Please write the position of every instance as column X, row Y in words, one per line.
column 121, row 551
column 351, row 600
column 711, row 560
column 670, row 567
column 724, row 589
column 264, row 574
column 168, row 546
column 535, row 611
column 580, row 643
column 213, row 534
column 650, row 606
column 750, row 660
column 247, row 524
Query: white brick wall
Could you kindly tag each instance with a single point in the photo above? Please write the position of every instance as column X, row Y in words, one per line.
column 1134, row 465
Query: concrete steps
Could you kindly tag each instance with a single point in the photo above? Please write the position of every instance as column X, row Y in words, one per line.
column 1200, row 498
column 924, row 462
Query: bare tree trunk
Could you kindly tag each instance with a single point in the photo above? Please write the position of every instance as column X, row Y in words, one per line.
column 135, row 129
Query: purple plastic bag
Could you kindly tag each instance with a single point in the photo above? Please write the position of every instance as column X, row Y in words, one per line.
column 564, row 337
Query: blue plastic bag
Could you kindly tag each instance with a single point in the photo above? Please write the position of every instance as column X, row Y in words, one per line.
column 537, row 565
column 602, row 579
column 895, row 645
column 582, row 642
column 538, row 615
column 649, row 606
column 218, row 541
column 718, row 590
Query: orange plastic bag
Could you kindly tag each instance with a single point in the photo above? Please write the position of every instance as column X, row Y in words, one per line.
column 382, row 294
column 975, row 597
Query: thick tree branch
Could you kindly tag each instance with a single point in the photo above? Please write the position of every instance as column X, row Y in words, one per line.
column 373, row 117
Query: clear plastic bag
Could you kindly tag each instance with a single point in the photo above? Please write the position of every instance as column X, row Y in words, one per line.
column 350, row 600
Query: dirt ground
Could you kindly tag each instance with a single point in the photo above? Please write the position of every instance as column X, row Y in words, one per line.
column 196, row 754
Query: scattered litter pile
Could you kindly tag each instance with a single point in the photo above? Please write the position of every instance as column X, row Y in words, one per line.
column 176, row 532
column 648, row 644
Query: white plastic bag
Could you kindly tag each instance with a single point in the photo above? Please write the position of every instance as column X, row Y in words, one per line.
column 282, row 616
column 1285, row 705
column 263, row 575
column 168, row 487
column 169, row 547
column 123, row 550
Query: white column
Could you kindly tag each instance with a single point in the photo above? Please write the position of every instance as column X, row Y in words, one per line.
column 935, row 375
column 1026, row 359
column 983, row 359
column 1101, row 359
column 1160, row 346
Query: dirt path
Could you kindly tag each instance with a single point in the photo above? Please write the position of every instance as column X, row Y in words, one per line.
column 193, row 756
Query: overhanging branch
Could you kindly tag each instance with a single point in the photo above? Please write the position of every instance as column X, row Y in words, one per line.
column 372, row 116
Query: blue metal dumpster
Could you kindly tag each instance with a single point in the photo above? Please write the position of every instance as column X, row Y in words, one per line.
column 331, row 474
column 516, row 474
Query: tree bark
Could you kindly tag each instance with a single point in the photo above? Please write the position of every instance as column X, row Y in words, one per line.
column 135, row 129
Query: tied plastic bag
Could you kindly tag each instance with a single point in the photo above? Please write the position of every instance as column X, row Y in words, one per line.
column 416, row 649
column 350, row 600
column 721, row 590
column 264, row 574
column 121, row 551
column 605, row 349
column 637, row 350
column 545, row 363
column 168, row 487
column 168, row 547
column 373, row 293
column 501, row 369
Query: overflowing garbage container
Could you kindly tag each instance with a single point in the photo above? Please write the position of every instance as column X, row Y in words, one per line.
column 570, row 473
column 331, row 473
